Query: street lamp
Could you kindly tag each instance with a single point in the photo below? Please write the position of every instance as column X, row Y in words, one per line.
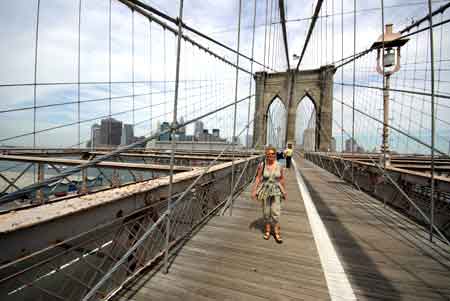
column 389, row 49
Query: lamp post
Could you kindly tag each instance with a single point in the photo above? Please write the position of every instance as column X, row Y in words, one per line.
column 388, row 62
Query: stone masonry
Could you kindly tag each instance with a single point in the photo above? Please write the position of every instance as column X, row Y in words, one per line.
column 317, row 84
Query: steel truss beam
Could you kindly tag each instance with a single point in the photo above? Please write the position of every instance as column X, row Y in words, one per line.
column 27, row 231
column 103, row 164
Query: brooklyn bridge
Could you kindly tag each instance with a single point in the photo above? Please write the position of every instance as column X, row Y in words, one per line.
column 131, row 132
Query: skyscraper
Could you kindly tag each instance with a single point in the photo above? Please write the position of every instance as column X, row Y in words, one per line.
column 349, row 144
column 127, row 134
column 163, row 127
column 181, row 131
column 309, row 139
column 110, row 131
column 198, row 130
column 95, row 135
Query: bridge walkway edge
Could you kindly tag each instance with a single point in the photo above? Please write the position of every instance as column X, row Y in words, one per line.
column 229, row 259
column 383, row 254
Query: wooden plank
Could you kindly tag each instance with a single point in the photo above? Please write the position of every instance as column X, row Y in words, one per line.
column 385, row 255
column 229, row 259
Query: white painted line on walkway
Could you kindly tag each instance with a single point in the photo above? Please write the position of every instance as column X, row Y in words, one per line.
column 338, row 285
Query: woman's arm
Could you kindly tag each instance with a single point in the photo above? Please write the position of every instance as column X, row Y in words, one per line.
column 283, row 183
column 257, row 181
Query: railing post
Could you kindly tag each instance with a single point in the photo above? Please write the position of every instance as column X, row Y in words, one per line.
column 84, row 179
column 433, row 129
column 172, row 129
column 233, row 139
column 41, row 176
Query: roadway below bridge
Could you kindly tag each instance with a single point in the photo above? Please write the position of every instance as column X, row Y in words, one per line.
column 339, row 243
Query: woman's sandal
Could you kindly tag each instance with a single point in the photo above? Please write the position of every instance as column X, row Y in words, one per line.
column 266, row 235
column 278, row 237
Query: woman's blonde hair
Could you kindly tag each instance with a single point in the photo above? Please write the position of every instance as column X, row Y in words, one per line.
column 270, row 148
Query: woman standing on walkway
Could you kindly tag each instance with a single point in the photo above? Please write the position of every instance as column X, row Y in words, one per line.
column 269, row 188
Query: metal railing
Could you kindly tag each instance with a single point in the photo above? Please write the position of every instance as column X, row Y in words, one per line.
column 96, row 264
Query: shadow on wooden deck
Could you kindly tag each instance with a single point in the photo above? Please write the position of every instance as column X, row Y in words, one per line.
column 384, row 254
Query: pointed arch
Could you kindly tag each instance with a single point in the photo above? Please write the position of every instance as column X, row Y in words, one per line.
column 276, row 119
column 306, row 123
column 271, row 99
column 291, row 87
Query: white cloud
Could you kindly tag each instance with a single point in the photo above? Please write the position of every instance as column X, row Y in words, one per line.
column 58, row 59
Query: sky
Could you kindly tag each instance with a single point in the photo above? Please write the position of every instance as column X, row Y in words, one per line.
column 69, row 51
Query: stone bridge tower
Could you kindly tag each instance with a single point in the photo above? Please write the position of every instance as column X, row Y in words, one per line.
column 291, row 87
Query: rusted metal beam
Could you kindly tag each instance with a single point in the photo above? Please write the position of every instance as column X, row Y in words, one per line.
column 165, row 155
column 104, row 164
column 69, row 151
column 27, row 231
column 423, row 177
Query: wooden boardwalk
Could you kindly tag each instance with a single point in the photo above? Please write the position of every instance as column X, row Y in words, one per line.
column 384, row 256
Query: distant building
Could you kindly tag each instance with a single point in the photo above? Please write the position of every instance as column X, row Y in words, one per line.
column 333, row 144
column 309, row 139
column 360, row 149
column 127, row 134
column 216, row 133
column 182, row 130
column 249, row 141
column 110, row 131
column 350, row 144
column 198, row 129
column 237, row 140
column 185, row 138
column 204, row 136
column 165, row 126
column 95, row 135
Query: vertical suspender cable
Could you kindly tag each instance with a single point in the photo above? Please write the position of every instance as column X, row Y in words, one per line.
column 109, row 75
column 265, row 33
column 132, row 65
column 353, row 90
column 36, row 42
column 150, row 74
column 270, row 34
column 251, row 75
column 342, row 77
column 332, row 31
column 164, row 73
column 233, row 139
column 172, row 127
column 321, row 37
column 326, row 32
column 430, row 12
column 79, row 77
column 385, row 107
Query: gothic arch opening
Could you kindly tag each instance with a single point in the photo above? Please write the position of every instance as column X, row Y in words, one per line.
column 305, row 125
column 276, row 118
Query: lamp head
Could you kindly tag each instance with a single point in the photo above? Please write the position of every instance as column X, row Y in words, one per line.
column 390, row 42
column 391, row 39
